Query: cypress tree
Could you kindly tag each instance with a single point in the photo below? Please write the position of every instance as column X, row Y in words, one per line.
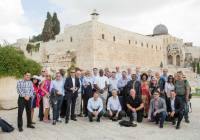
column 47, row 32
column 56, row 24
column 198, row 68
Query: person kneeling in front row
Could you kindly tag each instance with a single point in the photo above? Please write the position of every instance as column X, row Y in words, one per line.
column 135, row 107
column 95, row 107
column 114, row 109
column 175, row 109
column 158, row 109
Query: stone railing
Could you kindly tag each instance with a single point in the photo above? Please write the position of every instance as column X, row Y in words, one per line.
column 8, row 93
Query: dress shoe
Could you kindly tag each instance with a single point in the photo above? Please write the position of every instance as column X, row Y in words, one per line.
column 66, row 121
column 20, row 129
column 178, row 127
column 187, row 121
column 98, row 119
column 54, row 122
column 30, row 126
column 74, row 119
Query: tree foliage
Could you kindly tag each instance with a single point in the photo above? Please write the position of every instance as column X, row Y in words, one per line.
column 56, row 24
column 14, row 63
column 50, row 29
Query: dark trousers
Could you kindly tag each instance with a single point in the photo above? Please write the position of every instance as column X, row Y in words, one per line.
column 139, row 113
column 85, row 102
column 63, row 109
column 186, row 107
column 70, row 100
column 56, row 107
column 120, row 114
column 22, row 103
column 90, row 115
column 159, row 117
column 179, row 116
column 41, row 114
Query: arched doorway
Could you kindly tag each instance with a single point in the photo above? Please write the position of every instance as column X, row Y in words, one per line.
column 170, row 60
column 178, row 60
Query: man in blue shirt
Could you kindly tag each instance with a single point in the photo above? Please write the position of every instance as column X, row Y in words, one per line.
column 57, row 93
column 95, row 107
column 25, row 91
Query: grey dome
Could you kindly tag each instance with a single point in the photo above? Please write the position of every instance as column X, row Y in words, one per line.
column 160, row 30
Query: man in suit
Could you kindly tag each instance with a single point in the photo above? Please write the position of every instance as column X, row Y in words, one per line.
column 175, row 109
column 71, row 87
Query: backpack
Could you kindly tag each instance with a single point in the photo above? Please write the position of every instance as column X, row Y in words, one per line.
column 5, row 126
column 127, row 123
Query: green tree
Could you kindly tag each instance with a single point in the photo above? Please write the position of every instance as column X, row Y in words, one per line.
column 47, row 32
column 193, row 64
column 198, row 68
column 56, row 24
column 14, row 63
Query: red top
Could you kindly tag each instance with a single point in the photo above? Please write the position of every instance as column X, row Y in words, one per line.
column 36, row 90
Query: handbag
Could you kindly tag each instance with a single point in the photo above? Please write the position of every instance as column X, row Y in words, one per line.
column 5, row 126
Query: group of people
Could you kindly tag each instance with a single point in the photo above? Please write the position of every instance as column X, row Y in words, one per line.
column 113, row 94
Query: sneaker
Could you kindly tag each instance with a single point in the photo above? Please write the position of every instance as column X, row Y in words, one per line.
column 59, row 120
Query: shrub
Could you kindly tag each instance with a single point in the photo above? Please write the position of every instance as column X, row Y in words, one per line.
column 14, row 63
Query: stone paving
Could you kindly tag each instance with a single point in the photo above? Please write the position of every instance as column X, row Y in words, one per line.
column 105, row 130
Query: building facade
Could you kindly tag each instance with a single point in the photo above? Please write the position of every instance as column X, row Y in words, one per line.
column 95, row 44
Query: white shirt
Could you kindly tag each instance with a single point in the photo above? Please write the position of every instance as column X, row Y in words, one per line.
column 101, row 81
column 113, row 83
column 172, row 104
column 73, row 82
column 118, row 75
column 168, row 88
column 114, row 104
column 95, row 105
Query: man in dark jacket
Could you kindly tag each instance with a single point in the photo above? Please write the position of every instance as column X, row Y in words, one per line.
column 71, row 87
column 133, row 84
column 175, row 109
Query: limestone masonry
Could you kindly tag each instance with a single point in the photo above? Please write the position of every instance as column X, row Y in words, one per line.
column 95, row 44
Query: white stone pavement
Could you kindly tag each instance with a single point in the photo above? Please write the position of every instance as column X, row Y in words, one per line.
column 105, row 130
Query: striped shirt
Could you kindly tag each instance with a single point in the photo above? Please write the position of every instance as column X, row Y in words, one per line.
column 25, row 88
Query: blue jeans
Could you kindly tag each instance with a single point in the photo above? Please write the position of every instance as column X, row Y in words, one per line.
column 159, row 117
column 57, row 107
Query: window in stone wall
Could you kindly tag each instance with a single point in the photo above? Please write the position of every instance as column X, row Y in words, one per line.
column 152, row 46
column 156, row 47
column 147, row 45
column 142, row 44
column 71, row 39
column 102, row 36
column 113, row 38
column 136, row 42
column 129, row 42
